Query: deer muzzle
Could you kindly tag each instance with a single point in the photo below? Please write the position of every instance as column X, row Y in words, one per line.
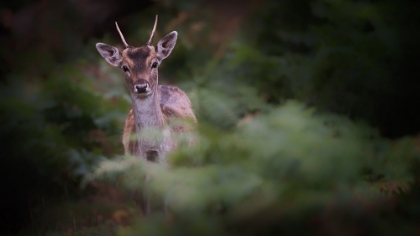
column 141, row 86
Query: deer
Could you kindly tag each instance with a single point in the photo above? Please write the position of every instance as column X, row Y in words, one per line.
column 155, row 107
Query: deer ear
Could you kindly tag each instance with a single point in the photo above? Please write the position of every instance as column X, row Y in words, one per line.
column 165, row 45
column 111, row 54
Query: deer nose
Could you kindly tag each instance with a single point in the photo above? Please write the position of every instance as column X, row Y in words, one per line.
column 140, row 88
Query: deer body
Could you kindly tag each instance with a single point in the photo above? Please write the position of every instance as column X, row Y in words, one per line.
column 170, row 103
column 149, row 131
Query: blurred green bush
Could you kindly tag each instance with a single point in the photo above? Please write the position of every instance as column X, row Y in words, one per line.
column 275, row 174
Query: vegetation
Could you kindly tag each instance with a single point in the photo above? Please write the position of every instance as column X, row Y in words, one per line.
column 307, row 124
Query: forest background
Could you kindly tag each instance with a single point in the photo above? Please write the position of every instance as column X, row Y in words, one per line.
column 308, row 118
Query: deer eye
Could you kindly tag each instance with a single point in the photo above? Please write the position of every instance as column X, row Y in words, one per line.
column 154, row 64
column 125, row 68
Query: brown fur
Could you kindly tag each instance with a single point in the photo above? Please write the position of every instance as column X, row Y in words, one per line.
column 153, row 106
column 174, row 104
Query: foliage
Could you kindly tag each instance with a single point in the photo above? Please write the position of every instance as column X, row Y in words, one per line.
column 55, row 127
column 290, row 164
column 351, row 57
column 289, row 169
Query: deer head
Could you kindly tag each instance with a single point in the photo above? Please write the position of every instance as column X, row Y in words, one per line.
column 140, row 64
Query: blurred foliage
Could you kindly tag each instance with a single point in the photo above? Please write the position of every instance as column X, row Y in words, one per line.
column 57, row 121
column 357, row 58
column 285, row 168
column 295, row 114
column 54, row 128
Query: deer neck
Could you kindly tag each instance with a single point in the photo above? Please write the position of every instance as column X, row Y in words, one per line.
column 149, row 118
column 147, row 111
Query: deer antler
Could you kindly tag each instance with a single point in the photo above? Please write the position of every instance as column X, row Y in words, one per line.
column 122, row 36
column 153, row 32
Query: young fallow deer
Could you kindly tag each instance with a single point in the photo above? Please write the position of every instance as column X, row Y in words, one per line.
column 153, row 105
